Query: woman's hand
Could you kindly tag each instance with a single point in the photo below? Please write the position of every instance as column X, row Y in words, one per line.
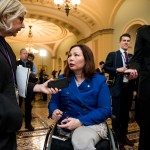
column 70, row 123
column 57, row 114
column 133, row 74
column 44, row 88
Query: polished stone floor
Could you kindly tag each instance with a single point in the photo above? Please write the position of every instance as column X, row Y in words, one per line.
column 34, row 140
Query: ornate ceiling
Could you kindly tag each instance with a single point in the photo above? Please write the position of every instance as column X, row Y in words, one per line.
column 51, row 26
column 42, row 31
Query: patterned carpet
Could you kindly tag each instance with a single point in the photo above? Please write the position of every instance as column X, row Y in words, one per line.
column 34, row 140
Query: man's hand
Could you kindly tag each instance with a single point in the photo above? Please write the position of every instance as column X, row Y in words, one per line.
column 121, row 69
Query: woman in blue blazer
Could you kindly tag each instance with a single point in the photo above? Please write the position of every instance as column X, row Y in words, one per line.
column 84, row 105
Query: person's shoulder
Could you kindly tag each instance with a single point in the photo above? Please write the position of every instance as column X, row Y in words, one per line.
column 30, row 62
column 98, row 80
column 143, row 28
column 61, row 76
column 113, row 52
column 97, row 69
column 99, row 77
column 19, row 60
column 130, row 55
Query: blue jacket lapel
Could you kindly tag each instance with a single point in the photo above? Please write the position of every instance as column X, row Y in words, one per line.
column 77, row 91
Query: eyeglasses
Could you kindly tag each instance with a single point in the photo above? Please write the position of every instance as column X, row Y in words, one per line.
column 21, row 19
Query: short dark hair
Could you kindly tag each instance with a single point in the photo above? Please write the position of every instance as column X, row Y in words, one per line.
column 126, row 35
column 101, row 62
column 89, row 68
column 31, row 55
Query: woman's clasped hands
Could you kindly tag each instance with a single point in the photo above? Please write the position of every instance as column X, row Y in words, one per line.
column 67, row 123
column 70, row 123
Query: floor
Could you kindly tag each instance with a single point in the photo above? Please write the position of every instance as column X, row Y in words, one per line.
column 34, row 140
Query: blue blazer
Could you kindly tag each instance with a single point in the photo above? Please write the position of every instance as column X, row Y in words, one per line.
column 90, row 102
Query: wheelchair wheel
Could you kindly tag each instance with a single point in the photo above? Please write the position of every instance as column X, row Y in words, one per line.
column 55, row 144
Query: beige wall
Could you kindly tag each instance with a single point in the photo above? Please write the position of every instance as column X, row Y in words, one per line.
column 101, row 44
column 128, row 18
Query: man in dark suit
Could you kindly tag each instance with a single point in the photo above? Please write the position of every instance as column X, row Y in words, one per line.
column 140, row 66
column 121, row 89
column 100, row 69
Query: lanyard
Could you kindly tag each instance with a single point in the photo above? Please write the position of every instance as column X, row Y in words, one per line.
column 8, row 57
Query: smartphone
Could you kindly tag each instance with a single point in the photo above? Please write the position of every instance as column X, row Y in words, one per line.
column 59, row 84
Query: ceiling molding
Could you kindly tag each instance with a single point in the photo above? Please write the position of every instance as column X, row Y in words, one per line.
column 75, row 19
column 99, row 32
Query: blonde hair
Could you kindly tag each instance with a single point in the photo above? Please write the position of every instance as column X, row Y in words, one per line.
column 11, row 8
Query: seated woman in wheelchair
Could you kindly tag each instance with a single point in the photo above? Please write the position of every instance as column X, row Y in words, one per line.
column 82, row 108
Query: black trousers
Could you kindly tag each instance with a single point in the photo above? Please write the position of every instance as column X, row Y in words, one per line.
column 8, row 141
column 28, row 107
column 120, row 108
column 144, row 104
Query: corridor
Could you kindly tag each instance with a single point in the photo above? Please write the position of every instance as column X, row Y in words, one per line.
column 34, row 140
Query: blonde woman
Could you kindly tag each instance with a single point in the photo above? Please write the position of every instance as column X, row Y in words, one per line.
column 11, row 22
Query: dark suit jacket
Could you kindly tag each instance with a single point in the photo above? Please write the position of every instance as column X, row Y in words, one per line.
column 141, row 62
column 102, row 72
column 10, row 113
column 141, row 58
column 114, row 61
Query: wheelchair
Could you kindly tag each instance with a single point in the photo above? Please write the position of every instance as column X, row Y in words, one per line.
column 55, row 144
